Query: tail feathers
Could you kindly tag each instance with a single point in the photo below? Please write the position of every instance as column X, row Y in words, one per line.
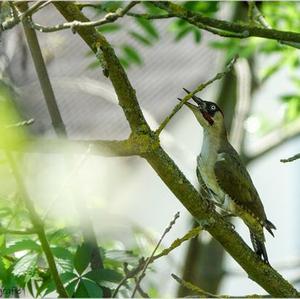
column 269, row 226
column 259, row 247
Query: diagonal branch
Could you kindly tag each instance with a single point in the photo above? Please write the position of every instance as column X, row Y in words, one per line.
column 133, row 146
column 218, row 76
column 97, row 42
column 168, row 171
column 221, row 26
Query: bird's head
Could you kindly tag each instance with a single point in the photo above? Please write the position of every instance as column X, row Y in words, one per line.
column 208, row 114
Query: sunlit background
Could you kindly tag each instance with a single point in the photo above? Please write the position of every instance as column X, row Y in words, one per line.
column 128, row 204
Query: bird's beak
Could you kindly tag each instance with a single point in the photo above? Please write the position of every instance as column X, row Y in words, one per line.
column 199, row 102
column 199, row 110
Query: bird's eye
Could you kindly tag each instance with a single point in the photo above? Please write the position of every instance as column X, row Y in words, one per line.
column 213, row 107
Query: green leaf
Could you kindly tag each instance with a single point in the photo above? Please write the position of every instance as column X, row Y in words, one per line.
column 209, row 8
column 148, row 27
column 49, row 285
column 111, row 6
column 70, row 288
column 108, row 28
column 182, row 33
column 26, row 265
column 21, row 245
column 153, row 10
column 197, row 35
column 87, row 288
column 93, row 289
column 30, row 288
column 132, row 54
column 62, row 253
column 3, row 271
column 63, row 265
column 82, row 257
column 100, row 275
column 140, row 38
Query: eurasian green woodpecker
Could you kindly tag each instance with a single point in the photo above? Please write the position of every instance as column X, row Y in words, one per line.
column 225, row 176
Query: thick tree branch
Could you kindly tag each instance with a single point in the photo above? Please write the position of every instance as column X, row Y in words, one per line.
column 133, row 146
column 97, row 42
column 240, row 30
column 168, row 171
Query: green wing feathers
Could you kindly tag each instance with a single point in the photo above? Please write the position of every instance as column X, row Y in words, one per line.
column 234, row 180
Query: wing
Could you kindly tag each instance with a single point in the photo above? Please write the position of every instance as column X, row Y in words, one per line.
column 234, row 180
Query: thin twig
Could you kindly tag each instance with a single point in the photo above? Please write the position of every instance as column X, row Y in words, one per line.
column 43, row 5
column 109, row 18
column 43, row 77
column 193, row 288
column 189, row 235
column 293, row 158
column 140, row 290
column 21, row 123
column 175, row 244
column 218, row 76
column 17, row 18
column 149, row 16
column 31, row 9
column 204, row 294
column 129, row 274
column 153, row 253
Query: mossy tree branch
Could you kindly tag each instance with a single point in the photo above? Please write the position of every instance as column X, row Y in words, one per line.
column 220, row 26
column 168, row 171
column 135, row 145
